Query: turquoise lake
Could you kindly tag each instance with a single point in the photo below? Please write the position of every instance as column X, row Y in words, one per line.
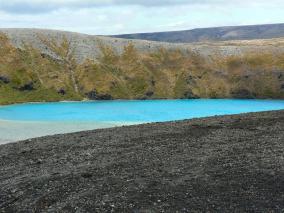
column 22, row 121
column 134, row 111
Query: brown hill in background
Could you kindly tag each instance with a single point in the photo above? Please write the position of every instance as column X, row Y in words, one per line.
column 87, row 46
column 266, row 31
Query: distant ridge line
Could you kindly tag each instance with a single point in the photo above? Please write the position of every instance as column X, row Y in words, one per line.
column 226, row 33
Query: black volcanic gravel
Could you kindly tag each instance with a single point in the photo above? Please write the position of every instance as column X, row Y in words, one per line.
column 220, row 164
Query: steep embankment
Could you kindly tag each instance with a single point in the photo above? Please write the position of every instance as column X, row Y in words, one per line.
column 45, row 65
column 223, row 164
column 266, row 31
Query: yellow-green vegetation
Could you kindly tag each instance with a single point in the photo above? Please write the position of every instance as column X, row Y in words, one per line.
column 28, row 75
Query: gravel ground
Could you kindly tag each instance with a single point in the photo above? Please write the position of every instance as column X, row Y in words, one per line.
column 219, row 164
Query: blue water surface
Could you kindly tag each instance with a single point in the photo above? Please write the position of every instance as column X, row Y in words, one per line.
column 134, row 111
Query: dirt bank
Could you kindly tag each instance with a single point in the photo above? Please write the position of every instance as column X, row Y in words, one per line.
column 224, row 164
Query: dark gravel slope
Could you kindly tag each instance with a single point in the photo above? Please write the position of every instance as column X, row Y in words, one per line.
column 224, row 164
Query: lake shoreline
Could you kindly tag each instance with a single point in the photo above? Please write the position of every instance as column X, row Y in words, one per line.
column 154, row 99
column 12, row 131
column 221, row 163
column 25, row 121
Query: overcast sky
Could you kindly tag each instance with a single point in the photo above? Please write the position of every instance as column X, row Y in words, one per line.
column 131, row 16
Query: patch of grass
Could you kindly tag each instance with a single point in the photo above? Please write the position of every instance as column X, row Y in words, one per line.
column 9, row 95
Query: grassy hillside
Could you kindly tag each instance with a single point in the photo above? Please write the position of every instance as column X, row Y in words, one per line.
column 29, row 74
